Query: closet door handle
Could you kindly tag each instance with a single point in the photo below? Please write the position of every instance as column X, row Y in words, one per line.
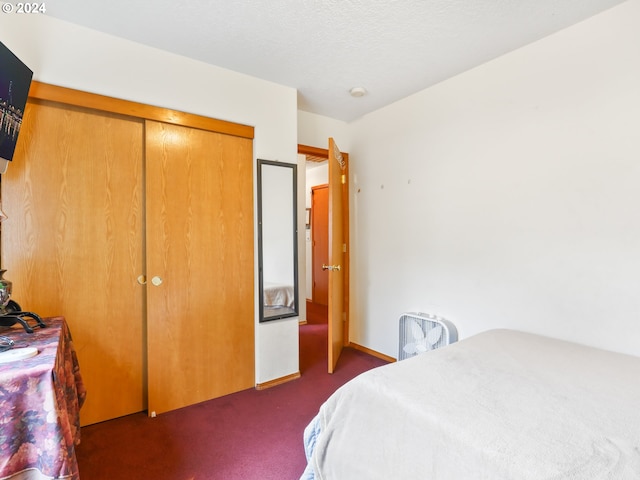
column 157, row 281
column 142, row 279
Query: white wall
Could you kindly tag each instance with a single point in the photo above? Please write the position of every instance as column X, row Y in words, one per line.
column 507, row 196
column 63, row 54
column 315, row 130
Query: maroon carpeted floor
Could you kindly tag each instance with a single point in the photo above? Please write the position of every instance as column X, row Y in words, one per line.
column 248, row 435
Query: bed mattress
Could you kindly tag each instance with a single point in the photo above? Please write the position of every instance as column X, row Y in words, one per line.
column 500, row 405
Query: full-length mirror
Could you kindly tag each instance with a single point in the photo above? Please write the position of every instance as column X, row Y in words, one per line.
column 277, row 240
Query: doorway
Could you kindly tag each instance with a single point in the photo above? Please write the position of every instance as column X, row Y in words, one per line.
column 316, row 177
column 317, row 159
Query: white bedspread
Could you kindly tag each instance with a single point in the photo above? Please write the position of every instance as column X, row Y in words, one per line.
column 277, row 294
column 499, row 405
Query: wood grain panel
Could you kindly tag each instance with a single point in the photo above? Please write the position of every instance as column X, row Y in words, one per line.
column 337, row 312
column 200, row 243
column 73, row 243
column 68, row 96
column 320, row 243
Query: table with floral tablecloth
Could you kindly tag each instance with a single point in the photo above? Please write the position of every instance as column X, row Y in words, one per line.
column 40, row 400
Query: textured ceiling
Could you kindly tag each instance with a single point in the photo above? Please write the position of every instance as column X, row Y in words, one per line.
column 322, row 48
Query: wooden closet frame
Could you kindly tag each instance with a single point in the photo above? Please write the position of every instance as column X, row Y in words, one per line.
column 67, row 97
column 78, row 98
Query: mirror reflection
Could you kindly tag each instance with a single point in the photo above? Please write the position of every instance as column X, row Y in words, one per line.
column 277, row 240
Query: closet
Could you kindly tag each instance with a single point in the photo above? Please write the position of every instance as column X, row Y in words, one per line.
column 136, row 224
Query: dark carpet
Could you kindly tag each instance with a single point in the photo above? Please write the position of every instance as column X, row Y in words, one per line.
column 247, row 435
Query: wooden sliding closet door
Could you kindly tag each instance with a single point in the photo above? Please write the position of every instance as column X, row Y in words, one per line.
column 73, row 242
column 200, row 278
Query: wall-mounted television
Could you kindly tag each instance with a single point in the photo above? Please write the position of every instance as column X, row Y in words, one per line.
column 15, row 80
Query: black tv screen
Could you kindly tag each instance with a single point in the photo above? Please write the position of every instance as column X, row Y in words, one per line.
column 15, row 80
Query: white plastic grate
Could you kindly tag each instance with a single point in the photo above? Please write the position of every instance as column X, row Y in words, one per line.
column 421, row 332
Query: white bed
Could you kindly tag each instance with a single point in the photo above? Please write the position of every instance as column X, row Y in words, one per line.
column 499, row 405
column 278, row 295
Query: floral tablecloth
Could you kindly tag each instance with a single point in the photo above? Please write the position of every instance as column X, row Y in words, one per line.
column 40, row 400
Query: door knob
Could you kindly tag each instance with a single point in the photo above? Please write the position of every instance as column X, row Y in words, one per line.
column 331, row 268
column 157, row 281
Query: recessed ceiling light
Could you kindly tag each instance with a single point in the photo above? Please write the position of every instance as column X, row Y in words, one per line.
column 358, row 91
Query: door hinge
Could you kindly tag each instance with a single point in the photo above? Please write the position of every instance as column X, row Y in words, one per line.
column 344, row 248
column 344, row 179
